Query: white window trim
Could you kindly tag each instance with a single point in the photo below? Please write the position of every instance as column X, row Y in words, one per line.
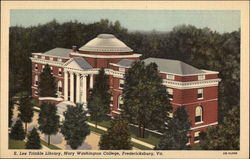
column 118, row 105
column 202, row 93
column 59, row 70
column 120, row 83
column 197, row 141
column 171, row 93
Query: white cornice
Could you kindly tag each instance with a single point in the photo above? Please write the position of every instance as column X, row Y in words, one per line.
column 43, row 61
column 114, row 73
column 205, row 72
column 106, row 56
column 114, row 64
column 51, row 55
column 192, row 84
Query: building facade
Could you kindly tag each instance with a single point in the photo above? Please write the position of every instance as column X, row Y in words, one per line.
column 75, row 69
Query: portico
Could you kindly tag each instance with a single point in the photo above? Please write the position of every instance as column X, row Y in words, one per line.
column 78, row 79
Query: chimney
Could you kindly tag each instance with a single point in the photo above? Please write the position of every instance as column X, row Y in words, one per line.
column 74, row 48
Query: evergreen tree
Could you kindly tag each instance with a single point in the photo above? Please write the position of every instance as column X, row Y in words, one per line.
column 99, row 99
column 11, row 107
column 117, row 137
column 144, row 97
column 17, row 132
column 48, row 119
column 46, row 86
column 33, row 140
column 74, row 127
column 25, row 110
column 225, row 136
column 176, row 134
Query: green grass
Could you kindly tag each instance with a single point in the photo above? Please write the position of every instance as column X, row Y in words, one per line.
column 51, row 146
column 196, row 147
column 150, row 139
column 16, row 144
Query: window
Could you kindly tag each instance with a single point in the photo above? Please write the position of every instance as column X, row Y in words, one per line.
column 60, row 60
column 120, row 102
column 121, row 83
column 51, row 58
column 170, row 93
column 59, row 86
column 121, row 69
column 196, row 137
column 36, row 67
column 43, row 67
column 51, row 68
column 59, row 71
column 170, row 77
column 111, row 99
column 198, row 114
column 36, row 80
column 201, row 77
column 200, row 94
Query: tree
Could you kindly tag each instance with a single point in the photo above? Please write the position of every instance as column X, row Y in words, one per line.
column 25, row 110
column 48, row 119
column 176, row 134
column 11, row 107
column 46, row 86
column 33, row 140
column 17, row 132
column 143, row 82
column 117, row 137
column 99, row 99
column 220, row 137
column 74, row 128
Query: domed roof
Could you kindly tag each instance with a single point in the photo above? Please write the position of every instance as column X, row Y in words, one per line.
column 105, row 43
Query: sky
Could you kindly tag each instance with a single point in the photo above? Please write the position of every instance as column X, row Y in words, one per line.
column 135, row 20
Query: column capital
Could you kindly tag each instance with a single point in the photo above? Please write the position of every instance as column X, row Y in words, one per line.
column 84, row 75
column 71, row 73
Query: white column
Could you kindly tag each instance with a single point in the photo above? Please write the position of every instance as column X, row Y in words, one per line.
column 77, row 88
column 84, row 89
column 91, row 81
column 65, row 85
column 71, row 86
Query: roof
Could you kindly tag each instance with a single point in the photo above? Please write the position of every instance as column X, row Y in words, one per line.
column 105, row 43
column 125, row 62
column 60, row 52
column 82, row 63
column 173, row 66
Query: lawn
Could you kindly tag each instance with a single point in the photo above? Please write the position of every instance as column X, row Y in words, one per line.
column 16, row 144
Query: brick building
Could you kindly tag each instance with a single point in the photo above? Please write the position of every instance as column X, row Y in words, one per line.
column 75, row 69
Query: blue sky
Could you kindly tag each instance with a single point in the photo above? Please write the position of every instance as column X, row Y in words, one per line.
column 145, row 20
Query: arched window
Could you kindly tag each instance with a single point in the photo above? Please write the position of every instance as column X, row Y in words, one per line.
column 59, row 86
column 120, row 102
column 36, row 80
column 198, row 114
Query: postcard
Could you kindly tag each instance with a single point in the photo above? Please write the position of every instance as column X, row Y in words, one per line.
column 124, row 79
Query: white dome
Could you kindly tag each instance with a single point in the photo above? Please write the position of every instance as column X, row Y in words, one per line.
column 105, row 43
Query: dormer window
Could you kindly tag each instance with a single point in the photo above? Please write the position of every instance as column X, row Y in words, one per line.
column 170, row 77
column 121, row 69
column 201, row 77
